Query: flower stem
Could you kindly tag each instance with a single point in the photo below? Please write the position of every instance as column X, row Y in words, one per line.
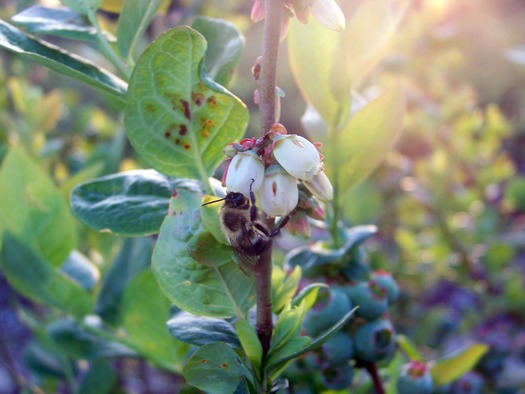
column 263, row 269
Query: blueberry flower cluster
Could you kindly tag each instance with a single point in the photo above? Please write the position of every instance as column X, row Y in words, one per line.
column 274, row 167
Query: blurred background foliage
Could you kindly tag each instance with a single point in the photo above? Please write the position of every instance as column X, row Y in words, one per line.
column 449, row 200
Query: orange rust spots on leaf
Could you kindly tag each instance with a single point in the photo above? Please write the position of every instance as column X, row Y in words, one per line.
column 197, row 98
column 212, row 101
column 150, row 107
column 174, row 213
column 187, row 111
column 177, row 141
column 167, row 134
column 224, row 365
column 204, row 361
column 183, row 129
column 205, row 133
column 187, row 146
column 174, row 193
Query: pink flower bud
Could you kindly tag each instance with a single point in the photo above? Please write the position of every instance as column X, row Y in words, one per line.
column 244, row 167
column 257, row 13
column 320, row 186
column 298, row 156
column 279, row 193
column 299, row 225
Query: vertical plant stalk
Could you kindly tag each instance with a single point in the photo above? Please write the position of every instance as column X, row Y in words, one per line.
column 263, row 269
column 371, row 368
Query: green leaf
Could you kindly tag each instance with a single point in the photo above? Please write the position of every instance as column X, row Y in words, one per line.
column 55, row 21
column 366, row 139
column 309, row 294
column 200, row 331
column 134, row 257
column 177, row 118
column 101, row 378
column 225, row 46
column 314, row 53
column 288, row 327
column 447, row 370
column 210, row 216
column 284, row 287
column 37, row 280
column 205, row 249
column 293, row 346
column 130, row 203
column 74, row 341
column 33, row 210
column 367, row 34
column 250, row 342
column 82, row 6
column 134, row 19
column 59, row 60
column 81, row 270
column 145, row 311
column 206, row 291
column 408, row 347
column 216, row 369
column 319, row 341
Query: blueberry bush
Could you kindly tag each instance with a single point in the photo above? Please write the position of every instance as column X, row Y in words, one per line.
column 268, row 196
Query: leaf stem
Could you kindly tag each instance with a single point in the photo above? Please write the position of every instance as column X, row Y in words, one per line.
column 371, row 368
column 266, row 85
column 106, row 49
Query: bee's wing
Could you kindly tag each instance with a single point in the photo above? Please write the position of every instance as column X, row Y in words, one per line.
column 244, row 250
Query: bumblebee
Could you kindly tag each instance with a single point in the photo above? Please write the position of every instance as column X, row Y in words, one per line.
column 249, row 237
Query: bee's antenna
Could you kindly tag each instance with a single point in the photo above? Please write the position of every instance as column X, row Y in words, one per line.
column 213, row 202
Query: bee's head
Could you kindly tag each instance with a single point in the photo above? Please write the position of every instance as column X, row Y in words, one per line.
column 235, row 200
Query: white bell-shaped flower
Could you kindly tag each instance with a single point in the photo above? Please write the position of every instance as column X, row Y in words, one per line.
column 328, row 13
column 279, row 194
column 298, row 156
column 244, row 167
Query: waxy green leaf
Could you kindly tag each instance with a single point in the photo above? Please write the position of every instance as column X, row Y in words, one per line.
column 451, row 368
column 177, row 118
column 130, row 203
column 59, row 60
column 200, row 330
column 222, row 291
column 317, row 342
column 82, row 6
column 225, row 46
column 134, row 19
column 316, row 61
column 369, row 30
column 38, row 280
column 364, row 141
column 145, row 311
column 216, row 369
column 55, row 21
column 33, row 210
column 250, row 342
column 134, row 257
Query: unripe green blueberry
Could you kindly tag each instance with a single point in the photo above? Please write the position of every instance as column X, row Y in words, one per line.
column 374, row 341
column 339, row 349
column 370, row 298
column 415, row 379
column 337, row 377
column 332, row 305
column 386, row 281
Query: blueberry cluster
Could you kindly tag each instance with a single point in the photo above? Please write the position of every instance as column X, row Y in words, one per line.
column 367, row 339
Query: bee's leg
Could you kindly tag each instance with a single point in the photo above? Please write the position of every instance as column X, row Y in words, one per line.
column 253, row 208
column 262, row 229
column 282, row 223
